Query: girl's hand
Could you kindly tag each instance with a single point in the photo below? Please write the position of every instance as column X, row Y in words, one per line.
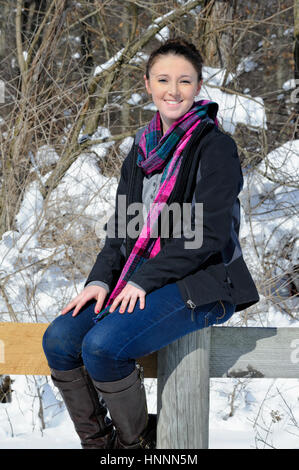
column 92, row 292
column 128, row 295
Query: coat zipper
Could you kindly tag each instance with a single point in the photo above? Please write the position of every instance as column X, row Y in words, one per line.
column 192, row 306
column 189, row 302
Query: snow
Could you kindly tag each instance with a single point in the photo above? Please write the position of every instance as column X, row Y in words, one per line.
column 101, row 148
column 252, row 425
column 288, row 31
column 160, row 18
column 263, row 413
column 106, row 65
column 163, row 34
column 126, row 145
column 83, row 192
column 135, row 99
column 150, row 107
column 46, row 155
column 246, row 65
column 234, row 109
column 289, row 84
column 214, row 76
column 283, row 162
column 272, row 203
column 139, row 58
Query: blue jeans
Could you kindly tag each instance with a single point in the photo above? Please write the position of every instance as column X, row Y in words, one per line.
column 108, row 349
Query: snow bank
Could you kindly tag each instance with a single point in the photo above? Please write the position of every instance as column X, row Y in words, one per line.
column 234, row 109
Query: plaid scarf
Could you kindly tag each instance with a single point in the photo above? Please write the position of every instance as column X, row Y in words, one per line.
column 157, row 152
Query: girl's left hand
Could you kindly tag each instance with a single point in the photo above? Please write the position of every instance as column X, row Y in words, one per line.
column 128, row 295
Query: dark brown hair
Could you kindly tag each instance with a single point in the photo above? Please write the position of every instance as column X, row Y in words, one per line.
column 180, row 47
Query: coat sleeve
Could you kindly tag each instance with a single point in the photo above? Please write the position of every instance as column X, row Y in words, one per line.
column 110, row 260
column 217, row 189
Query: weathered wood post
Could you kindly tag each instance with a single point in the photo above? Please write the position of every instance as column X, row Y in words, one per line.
column 183, row 392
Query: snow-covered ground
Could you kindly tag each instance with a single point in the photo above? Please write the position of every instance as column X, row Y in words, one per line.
column 243, row 413
column 265, row 415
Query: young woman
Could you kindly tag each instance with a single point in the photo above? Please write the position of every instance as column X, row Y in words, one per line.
column 159, row 288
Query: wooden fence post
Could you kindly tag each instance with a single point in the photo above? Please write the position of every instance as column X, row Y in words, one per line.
column 183, row 392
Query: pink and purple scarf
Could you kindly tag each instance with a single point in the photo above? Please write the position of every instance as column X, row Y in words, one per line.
column 157, row 152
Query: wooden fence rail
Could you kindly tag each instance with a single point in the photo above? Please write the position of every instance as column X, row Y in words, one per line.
column 183, row 370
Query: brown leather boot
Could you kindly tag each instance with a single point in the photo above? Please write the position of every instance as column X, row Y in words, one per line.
column 126, row 401
column 147, row 439
column 87, row 411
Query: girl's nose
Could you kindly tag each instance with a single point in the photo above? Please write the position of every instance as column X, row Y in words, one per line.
column 173, row 89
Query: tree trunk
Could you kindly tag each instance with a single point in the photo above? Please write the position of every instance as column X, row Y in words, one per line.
column 296, row 59
column 32, row 14
column 296, row 35
column 218, row 32
column 86, row 45
column 4, row 36
column 125, row 109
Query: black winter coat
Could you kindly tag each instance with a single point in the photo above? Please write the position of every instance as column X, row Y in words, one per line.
column 210, row 174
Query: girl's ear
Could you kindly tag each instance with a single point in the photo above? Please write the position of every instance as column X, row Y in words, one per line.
column 199, row 86
column 147, row 85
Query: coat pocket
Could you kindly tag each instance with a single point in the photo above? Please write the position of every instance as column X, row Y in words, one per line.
column 220, row 313
column 205, row 286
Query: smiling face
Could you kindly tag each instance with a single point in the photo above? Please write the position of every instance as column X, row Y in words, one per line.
column 173, row 84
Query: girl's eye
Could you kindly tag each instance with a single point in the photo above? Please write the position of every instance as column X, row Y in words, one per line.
column 163, row 80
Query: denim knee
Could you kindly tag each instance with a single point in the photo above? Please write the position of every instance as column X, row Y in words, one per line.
column 59, row 346
column 95, row 347
column 100, row 357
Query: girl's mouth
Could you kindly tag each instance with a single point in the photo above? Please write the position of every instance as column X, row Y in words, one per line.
column 173, row 102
